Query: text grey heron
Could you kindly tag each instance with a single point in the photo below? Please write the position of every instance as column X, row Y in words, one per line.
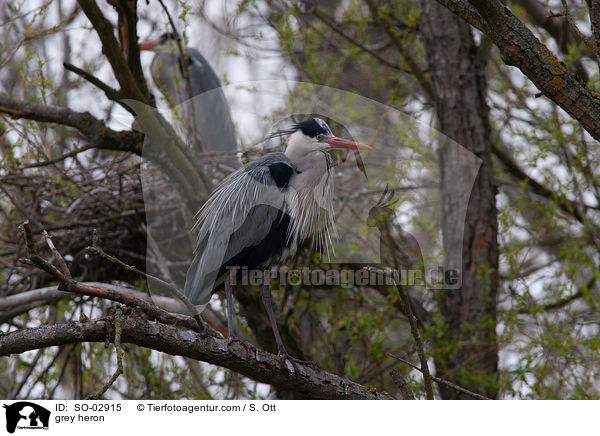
column 261, row 213
column 206, row 110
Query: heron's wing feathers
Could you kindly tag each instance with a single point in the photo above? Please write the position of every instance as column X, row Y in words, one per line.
column 252, row 232
column 202, row 75
column 205, row 112
column 212, row 116
column 238, row 215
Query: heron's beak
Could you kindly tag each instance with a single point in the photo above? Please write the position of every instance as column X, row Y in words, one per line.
column 149, row 45
column 336, row 142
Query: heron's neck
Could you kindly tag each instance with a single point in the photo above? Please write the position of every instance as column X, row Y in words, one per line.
column 297, row 148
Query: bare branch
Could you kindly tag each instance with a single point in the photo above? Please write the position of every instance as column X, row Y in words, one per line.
column 61, row 261
column 414, row 328
column 128, row 19
column 15, row 304
column 95, row 249
column 117, row 322
column 70, row 285
column 442, row 381
column 72, row 153
column 93, row 129
column 594, row 7
column 110, row 92
column 110, row 47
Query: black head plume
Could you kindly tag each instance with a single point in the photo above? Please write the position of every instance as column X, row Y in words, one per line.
column 167, row 36
column 313, row 127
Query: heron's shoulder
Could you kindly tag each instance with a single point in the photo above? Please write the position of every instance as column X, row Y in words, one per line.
column 268, row 160
column 196, row 56
column 273, row 168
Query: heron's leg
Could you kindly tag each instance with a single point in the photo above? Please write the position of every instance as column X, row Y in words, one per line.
column 232, row 337
column 281, row 351
column 228, row 294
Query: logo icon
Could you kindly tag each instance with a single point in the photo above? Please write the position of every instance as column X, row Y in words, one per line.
column 26, row 415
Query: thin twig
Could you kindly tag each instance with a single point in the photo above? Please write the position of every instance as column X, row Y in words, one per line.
column 70, row 285
column 110, row 92
column 336, row 28
column 72, row 153
column 95, row 249
column 442, row 381
column 414, row 328
column 118, row 323
column 61, row 260
column 31, row 367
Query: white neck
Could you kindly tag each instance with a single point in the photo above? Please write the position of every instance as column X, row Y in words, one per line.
column 298, row 146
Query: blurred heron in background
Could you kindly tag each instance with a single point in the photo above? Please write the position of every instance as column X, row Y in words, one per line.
column 205, row 109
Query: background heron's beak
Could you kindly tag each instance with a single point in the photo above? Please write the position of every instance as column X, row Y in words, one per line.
column 336, row 142
column 149, row 45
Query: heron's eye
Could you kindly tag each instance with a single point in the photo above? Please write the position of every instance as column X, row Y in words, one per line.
column 319, row 137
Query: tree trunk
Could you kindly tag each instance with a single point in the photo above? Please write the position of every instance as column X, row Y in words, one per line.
column 466, row 351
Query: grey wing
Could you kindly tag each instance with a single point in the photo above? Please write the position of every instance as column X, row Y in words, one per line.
column 239, row 214
column 213, row 117
column 202, row 75
column 210, row 115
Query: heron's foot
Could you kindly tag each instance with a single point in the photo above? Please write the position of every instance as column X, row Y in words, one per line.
column 244, row 342
column 283, row 356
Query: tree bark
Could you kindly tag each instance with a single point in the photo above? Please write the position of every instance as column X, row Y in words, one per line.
column 466, row 352
column 262, row 366
column 519, row 47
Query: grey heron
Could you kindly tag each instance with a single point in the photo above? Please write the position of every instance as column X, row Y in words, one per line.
column 262, row 212
column 207, row 113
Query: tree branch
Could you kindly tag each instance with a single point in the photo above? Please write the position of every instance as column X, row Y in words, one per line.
column 180, row 341
column 110, row 92
column 406, row 392
column 569, row 207
column 520, row 48
column 467, row 12
column 414, row 329
column 117, row 319
column 97, row 250
column 111, row 49
column 128, row 19
column 66, row 283
column 92, row 128
column 559, row 304
column 442, row 381
column 594, row 7
column 561, row 30
column 13, row 305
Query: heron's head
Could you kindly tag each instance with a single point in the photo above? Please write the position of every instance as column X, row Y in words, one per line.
column 314, row 134
column 162, row 44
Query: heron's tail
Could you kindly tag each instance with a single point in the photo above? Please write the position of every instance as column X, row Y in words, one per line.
column 198, row 284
